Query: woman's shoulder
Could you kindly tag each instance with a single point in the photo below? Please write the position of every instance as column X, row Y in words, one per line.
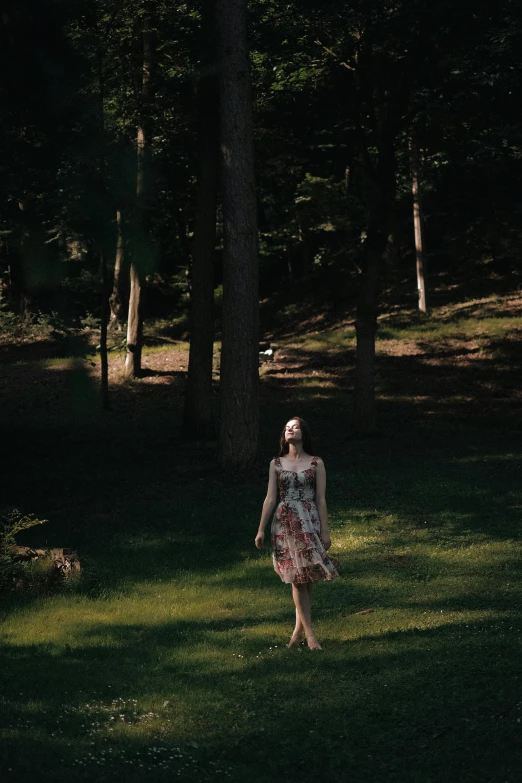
column 318, row 461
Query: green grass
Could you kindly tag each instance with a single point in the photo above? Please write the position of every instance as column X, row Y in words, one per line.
column 169, row 661
column 432, row 329
column 483, row 320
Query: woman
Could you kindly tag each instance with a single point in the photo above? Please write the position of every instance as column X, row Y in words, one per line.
column 300, row 534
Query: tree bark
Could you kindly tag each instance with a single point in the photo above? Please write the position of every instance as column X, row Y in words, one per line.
column 374, row 249
column 116, row 297
column 132, row 367
column 418, row 227
column 102, row 181
column 138, row 261
column 239, row 380
column 23, row 269
column 104, row 357
column 303, row 233
column 198, row 417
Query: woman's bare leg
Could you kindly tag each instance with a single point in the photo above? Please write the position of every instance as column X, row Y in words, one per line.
column 302, row 595
column 297, row 635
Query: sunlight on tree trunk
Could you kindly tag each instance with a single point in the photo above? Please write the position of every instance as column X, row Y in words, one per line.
column 115, row 300
column 104, row 357
column 418, row 226
column 135, row 320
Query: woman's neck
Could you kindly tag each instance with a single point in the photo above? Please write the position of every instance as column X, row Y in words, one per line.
column 295, row 452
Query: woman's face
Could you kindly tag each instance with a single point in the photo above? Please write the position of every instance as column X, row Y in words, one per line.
column 293, row 431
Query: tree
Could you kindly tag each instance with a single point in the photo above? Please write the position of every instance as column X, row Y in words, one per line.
column 140, row 250
column 239, row 374
column 418, row 225
column 115, row 299
column 198, row 419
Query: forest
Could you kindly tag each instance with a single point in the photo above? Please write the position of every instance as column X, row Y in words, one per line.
column 216, row 215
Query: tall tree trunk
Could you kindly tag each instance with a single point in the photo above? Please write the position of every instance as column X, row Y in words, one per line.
column 198, row 418
column 239, row 382
column 374, row 249
column 23, row 269
column 104, row 357
column 102, row 181
column 139, row 253
column 116, row 297
column 418, row 227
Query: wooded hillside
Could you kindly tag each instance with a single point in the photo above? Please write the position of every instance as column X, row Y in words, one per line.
column 386, row 150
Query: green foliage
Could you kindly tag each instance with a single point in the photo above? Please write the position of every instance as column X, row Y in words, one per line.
column 332, row 83
column 13, row 523
column 30, row 327
column 39, row 576
column 10, row 572
column 11, row 325
column 13, row 572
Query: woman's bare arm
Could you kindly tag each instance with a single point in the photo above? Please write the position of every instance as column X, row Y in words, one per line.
column 320, row 499
column 268, row 504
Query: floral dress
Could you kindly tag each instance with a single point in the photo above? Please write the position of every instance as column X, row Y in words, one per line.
column 298, row 551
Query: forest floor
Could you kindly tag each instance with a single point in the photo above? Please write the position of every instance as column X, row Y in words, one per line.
column 168, row 659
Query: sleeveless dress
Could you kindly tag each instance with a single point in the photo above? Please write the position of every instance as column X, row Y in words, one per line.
column 297, row 549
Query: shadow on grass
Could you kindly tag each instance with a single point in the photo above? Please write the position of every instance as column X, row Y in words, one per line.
column 66, row 345
column 431, row 704
column 139, row 504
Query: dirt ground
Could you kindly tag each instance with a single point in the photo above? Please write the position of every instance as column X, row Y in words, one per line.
column 51, row 374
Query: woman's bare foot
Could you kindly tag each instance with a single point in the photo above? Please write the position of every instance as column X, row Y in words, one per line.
column 313, row 644
column 295, row 639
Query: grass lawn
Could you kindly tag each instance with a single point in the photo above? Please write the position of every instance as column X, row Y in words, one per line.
column 168, row 660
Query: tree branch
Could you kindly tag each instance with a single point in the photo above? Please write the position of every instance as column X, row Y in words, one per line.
column 341, row 62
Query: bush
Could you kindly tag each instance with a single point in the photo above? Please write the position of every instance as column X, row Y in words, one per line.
column 13, row 523
column 36, row 325
column 14, row 573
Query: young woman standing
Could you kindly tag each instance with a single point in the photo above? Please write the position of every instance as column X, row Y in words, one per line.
column 300, row 534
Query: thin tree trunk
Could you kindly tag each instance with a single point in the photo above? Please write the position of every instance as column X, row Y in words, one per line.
column 102, row 173
column 134, row 325
column 418, row 227
column 289, row 265
column 138, row 261
column 25, row 261
column 198, row 418
column 116, row 297
column 374, row 249
column 239, row 384
column 104, row 358
column 303, row 234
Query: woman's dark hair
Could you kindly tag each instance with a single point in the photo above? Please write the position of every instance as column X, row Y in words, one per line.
column 308, row 444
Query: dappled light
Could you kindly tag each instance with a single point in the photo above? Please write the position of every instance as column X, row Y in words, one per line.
column 217, row 217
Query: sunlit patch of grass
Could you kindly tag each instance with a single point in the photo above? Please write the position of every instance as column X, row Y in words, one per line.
column 329, row 339
column 434, row 330
column 150, row 350
column 430, row 330
column 318, row 383
column 171, row 666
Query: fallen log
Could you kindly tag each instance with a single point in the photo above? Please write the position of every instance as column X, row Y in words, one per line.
column 65, row 560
